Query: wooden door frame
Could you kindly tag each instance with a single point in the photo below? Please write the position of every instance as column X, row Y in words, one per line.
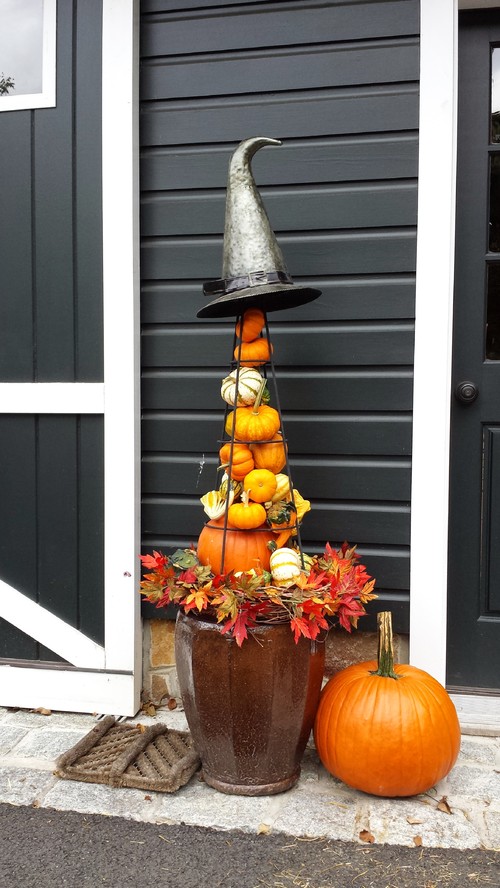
column 105, row 679
column 433, row 337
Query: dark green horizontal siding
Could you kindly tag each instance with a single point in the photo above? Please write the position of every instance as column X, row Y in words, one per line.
column 377, row 108
column 353, row 297
column 361, row 206
column 321, row 389
column 312, row 253
column 51, row 243
column 334, row 159
column 348, row 344
column 273, row 25
column 51, row 522
column 354, row 478
column 338, row 83
column 291, row 69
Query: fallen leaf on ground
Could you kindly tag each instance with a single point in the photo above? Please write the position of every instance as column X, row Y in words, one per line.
column 263, row 829
column 417, row 840
column 42, row 711
column 443, row 805
column 413, row 821
column 149, row 708
column 366, row 836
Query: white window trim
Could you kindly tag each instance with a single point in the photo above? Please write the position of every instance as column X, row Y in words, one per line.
column 47, row 97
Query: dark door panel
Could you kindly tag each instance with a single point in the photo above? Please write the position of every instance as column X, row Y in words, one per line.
column 474, row 554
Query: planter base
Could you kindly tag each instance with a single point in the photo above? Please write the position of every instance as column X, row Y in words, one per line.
column 247, row 789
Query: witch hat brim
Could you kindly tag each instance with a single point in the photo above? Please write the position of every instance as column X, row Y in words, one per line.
column 254, row 273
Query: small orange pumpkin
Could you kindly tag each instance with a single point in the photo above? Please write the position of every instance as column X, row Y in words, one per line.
column 254, row 353
column 246, row 515
column 384, row 729
column 260, row 485
column 241, row 462
column 271, row 455
column 256, row 423
column 243, row 550
column 253, row 322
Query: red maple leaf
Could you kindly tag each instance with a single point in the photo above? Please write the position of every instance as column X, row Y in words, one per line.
column 237, row 626
column 156, row 560
column 301, row 626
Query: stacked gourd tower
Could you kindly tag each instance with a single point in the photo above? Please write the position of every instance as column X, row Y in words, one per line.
column 255, row 507
column 254, row 510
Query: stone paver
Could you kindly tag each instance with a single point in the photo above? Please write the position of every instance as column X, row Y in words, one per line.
column 10, row 735
column 318, row 806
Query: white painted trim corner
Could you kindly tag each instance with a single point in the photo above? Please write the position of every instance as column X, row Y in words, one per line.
column 433, row 335
column 120, row 172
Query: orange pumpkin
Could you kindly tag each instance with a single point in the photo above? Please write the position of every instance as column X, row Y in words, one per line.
column 241, row 461
column 256, row 423
column 271, row 455
column 254, row 353
column 260, row 484
column 253, row 322
column 246, row 515
column 244, row 549
column 384, row 729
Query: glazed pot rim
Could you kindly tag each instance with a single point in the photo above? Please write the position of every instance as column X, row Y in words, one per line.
column 260, row 626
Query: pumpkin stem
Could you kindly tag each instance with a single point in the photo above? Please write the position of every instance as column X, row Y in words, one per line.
column 385, row 646
column 258, row 399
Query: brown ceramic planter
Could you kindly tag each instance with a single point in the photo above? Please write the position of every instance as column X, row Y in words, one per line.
column 250, row 710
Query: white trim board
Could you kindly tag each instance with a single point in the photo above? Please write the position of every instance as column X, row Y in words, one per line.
column 68, row 690
column 52, row 397
column 433, row 335
column 120, row 177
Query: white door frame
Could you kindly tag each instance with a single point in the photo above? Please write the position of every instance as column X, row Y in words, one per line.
column 104, row 679
column 433, row 345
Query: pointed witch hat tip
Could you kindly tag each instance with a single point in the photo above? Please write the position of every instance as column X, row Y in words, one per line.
column 254, row 271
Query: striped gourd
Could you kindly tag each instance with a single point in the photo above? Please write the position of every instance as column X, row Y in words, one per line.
column 249, row 383
column 285, row 564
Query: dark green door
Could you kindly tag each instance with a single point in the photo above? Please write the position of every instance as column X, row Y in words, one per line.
column 474, row 567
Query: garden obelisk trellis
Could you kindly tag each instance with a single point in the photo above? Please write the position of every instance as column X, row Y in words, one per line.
column 254, row 275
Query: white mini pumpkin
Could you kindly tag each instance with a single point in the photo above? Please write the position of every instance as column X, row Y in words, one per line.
column 285, row 564
column 249, row 384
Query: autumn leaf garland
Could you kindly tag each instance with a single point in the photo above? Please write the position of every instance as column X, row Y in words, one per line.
column 334, row 586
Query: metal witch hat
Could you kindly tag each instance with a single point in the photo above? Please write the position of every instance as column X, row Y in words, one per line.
column 253, row 270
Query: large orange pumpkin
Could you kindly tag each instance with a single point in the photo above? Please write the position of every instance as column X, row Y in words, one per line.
column 245, row 549
column 384, row 729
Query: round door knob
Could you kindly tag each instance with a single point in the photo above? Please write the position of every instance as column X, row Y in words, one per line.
column 466, row 392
